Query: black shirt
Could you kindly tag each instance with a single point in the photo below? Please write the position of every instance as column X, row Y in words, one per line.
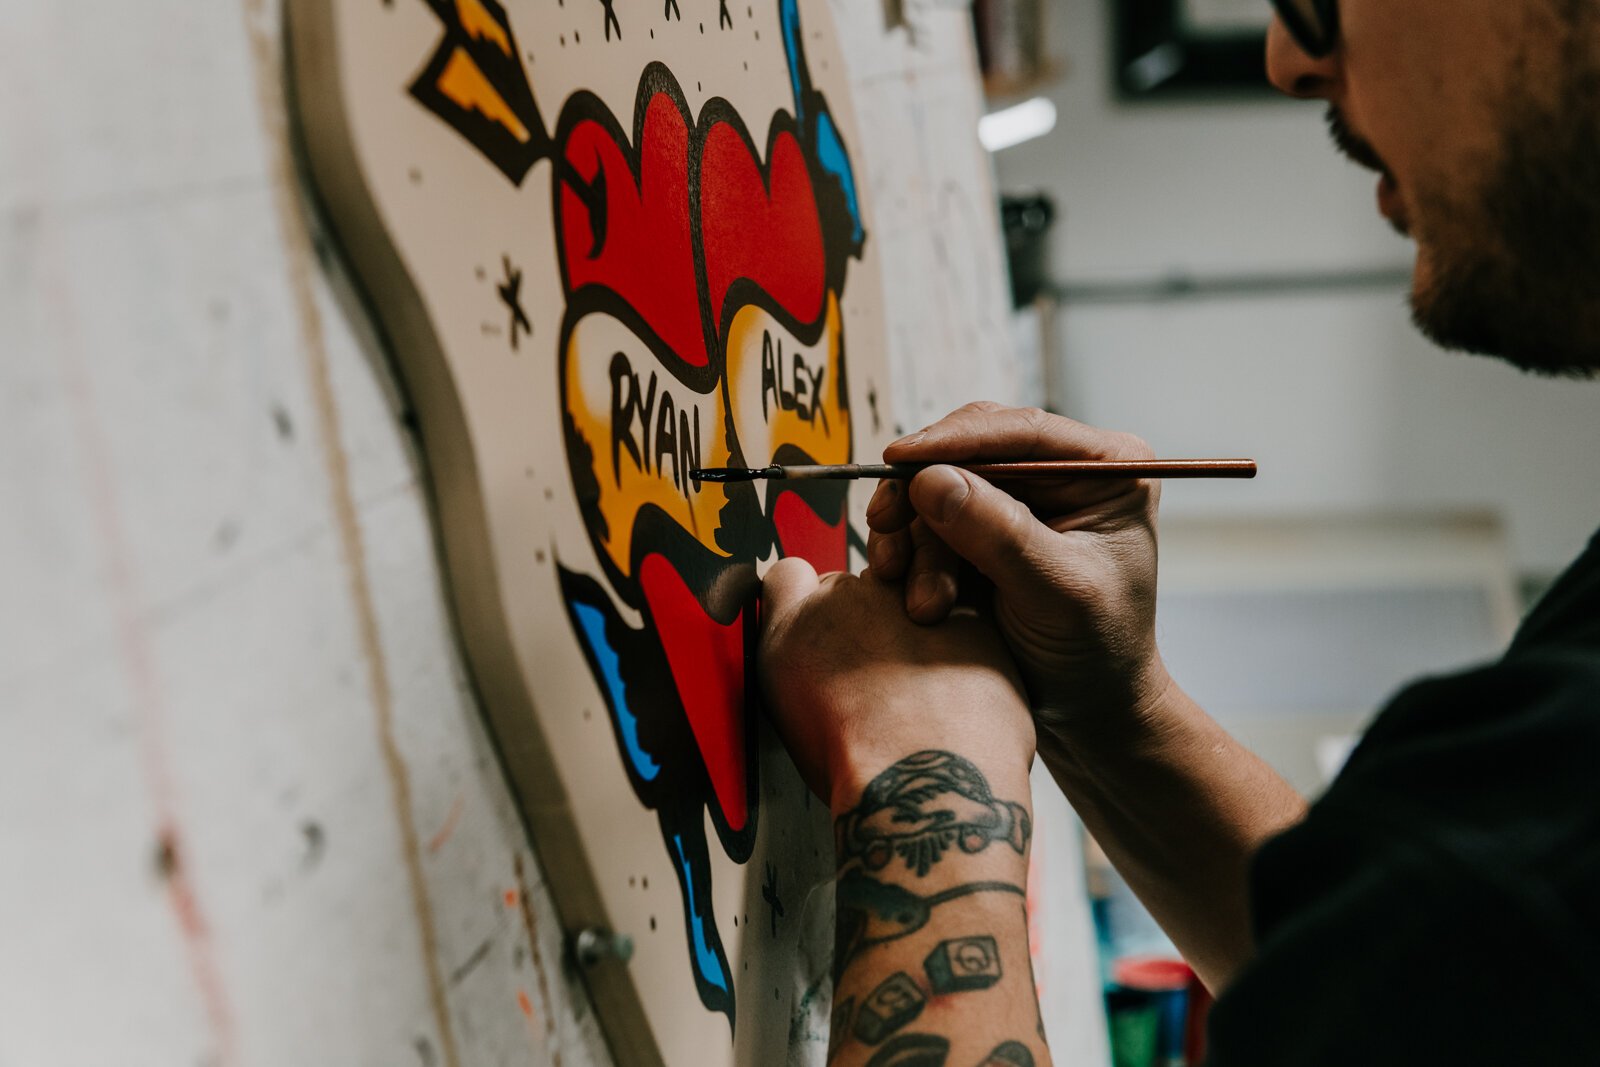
column 1441, row 903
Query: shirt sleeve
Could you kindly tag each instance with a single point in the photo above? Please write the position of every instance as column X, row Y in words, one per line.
column 1438, row 905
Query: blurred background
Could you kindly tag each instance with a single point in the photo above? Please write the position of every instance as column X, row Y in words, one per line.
column 1198, row 265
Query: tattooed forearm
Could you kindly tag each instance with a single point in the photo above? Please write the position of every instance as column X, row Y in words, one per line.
column 923, row 805
column 926, row 912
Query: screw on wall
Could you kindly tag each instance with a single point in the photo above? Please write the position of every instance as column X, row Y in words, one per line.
column 593, row 944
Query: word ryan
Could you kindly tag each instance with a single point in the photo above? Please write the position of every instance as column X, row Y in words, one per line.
column 652, row 428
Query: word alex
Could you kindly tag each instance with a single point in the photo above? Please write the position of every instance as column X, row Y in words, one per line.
column 795, row 388
column 651, row 427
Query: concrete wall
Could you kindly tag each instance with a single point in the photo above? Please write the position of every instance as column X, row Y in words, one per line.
column 1345, row 406
column 250, row 814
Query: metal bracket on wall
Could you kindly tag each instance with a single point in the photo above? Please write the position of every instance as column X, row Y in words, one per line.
column 1182, row 285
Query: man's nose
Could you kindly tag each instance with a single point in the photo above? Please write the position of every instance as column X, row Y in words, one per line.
column 1294, row 72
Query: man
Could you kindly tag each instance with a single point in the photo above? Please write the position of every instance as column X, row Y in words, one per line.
column 1441, row 903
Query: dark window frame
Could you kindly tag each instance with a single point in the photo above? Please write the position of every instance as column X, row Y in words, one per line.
column 1158, row 58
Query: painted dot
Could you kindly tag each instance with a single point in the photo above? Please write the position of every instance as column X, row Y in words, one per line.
column 527, row 1005
column 758, row 35
column 702, row 27
column 736, row 922
column 747, row 67
column 652, row 35
column 511, row 898
column 697, row 87
column 563, row 40
column 774, row 992
column 632, row 881
column 576, row 38
column 749, row 12
column 652, row 922
column 415, row 175
column 587, row 715
column 549, row 494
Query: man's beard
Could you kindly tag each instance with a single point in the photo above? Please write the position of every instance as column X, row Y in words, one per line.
column 1513, row 257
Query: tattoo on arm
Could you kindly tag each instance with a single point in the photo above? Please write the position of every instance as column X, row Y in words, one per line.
column 963, row 964
column 918, row 810
column 921, row 807
column 895, row 1002
column 1010, row 1054
column 872, row 913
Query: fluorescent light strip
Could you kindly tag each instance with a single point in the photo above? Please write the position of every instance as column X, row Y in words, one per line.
column 1014, row 125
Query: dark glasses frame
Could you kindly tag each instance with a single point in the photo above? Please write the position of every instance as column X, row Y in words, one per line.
column 1316, row 38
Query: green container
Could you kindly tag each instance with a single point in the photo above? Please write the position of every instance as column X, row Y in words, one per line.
column 1135, row 1026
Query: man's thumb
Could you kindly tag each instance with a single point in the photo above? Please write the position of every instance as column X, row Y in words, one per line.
column 990, row 529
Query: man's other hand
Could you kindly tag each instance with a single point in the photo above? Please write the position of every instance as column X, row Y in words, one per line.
column 1072, row 562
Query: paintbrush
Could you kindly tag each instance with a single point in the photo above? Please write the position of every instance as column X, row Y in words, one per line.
column 1048, row 468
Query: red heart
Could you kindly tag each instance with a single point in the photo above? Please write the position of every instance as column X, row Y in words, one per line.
column 804, row 533
column 639, row 246
column 763, row 228
column 707, row 661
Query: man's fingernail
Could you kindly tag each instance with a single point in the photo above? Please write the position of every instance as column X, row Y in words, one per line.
column 949, row 488
column 924, row 588
column 908, row 439
column 883, row 496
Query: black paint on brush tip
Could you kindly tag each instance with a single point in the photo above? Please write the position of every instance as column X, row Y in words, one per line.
column 730, row 474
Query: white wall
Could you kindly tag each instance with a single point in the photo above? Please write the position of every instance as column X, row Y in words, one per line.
column 250, row 815
column 1343, row 404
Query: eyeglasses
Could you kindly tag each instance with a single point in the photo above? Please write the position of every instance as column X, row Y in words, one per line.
column 1314, row 24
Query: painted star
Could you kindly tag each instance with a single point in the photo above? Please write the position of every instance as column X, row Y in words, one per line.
column 510, row 292
column 769, row 893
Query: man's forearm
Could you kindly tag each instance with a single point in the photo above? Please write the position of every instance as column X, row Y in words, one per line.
column 1180, row 807
column 931, row 962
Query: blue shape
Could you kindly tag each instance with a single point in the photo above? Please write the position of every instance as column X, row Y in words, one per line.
column 789, row 16
column 706, row 960
column 594, row 631
column 836, row 161
column 819, row 129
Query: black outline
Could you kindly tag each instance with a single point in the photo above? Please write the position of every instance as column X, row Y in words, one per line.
column 509, row 78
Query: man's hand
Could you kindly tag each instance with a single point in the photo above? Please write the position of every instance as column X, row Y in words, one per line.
column 854, row 685
column 1072, row 563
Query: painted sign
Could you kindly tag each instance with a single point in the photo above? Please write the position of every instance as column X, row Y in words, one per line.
column 608, row 244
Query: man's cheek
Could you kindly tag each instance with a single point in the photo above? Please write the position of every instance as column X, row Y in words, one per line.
column 636, row 433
